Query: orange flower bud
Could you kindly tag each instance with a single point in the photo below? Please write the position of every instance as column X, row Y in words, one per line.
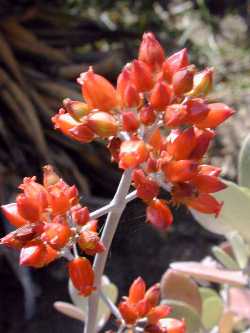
column 208, row 184
column 151, row 51
column 50, row 255
column 128, row 312
column 217, row 114
column 32, row 254
column 97, row 91
column 147, row 189
column 203, row 83
column 91, row 226
column 58, row 200
column 82, row 133
column 103, row 124
column 205, row 203
column 131, row 97
column 151, row 164
column 181, row 144
column 82, row 275
column 147, row 115
column 180, row 171
column 28, row 208
column 157, row 313
column 175, row 115
column 174, row 63
column 136, row 291
column 90, row 242
column 80, row 215
column 174, row 325
column 132, row 153
column 159, row 214
column 197, row 110
column 56, row 235
column 123, row 81
column 10, row 211
column 141, row 76
column 35, row 191
column 161, row 95
column 182, row 80
column 152, row 295
column 76, row 109
column 156, row 140
column 130, row 121
column 28, row 232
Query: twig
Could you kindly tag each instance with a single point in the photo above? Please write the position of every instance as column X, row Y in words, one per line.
column 107, row 237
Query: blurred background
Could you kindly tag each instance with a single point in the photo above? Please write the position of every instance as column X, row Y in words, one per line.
column 44, row 45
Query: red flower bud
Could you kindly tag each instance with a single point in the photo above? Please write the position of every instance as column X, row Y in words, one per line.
column 147, row 115
column 180, row 171
column 35, row 191
column 141, row 76
column 131, row 97
column 174, row 63
column 182, row 80
column 114, row 148
column 181, row 144
column 217, row 114
column 159, row 214
column 10, row 211
column 97, row 91
column 128, row 312
column 80, row 215
column 147, row 189
column 11, row 241
column 28, row 208
column 197, row 110
column 123, row 81
column 203, row 139
column 103, row 124
column 82, row 275
column 156, row 140
column 209, row 170
column 59, row 200
column 76, row 109
column 151, row 51
column 152, row 295
column 132, row 154
column 161, row 95
column 64, row 122
column 56, row 235
column 175, row 115
column 33, row 255
column 82, row 133
column 205, row 203
column 130, row 121
column 137, row 291
column 157, row 313
column 208, row 184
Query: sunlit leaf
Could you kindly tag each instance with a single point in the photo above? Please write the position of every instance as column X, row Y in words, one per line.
column 212, row 309
column 224, row 258
column 239, row 248
column 207, row 273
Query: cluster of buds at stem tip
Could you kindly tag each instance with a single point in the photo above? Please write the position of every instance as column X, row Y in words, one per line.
column 158, row 121
column 49, row 221
column 142, row 307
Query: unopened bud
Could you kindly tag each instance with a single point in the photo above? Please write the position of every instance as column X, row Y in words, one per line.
column 103, row 124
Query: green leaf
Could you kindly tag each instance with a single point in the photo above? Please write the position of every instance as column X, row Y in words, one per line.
column 239, row 248
column 182, row 310
column 212, row 311
column 244, row 163
column 108, row 288
column 235, row 213
column 224, row 258
column 206, row 293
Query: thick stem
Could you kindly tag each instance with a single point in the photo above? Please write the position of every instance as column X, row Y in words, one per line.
column 107, row 237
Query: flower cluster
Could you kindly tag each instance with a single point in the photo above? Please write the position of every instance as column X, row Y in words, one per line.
column 141, row 309
column 157, row 121
column 50, row 221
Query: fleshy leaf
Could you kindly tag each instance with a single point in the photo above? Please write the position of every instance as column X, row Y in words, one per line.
column 224, row 258
column 239, row 248
column 181, row 310
column 108, row 288
column 212, row 310
column 235, row 213
column 69, row 310
column 244, row 163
